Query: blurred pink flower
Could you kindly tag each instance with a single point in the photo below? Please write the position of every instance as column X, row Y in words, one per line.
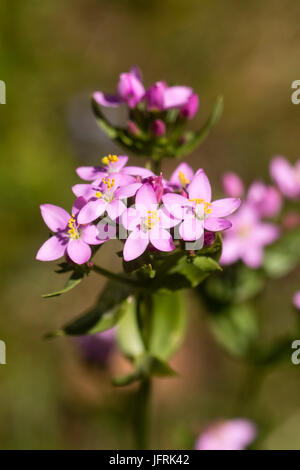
column 296, row 299
column 286, row 176
column 247, row 237
column 158, row 128
column 265, row 199
column 160, row 97
column 233, row 434
column 232, row 184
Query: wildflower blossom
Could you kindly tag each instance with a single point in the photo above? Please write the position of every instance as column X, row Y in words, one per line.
column 147, row 224
column 181, row 176
column 232, row 184
column 233, row 434
column 190, row 108
column 112, row 164
column 160, row 97
column 130, row 90
column 197, row 211
column 69, row 237
column 286, row 176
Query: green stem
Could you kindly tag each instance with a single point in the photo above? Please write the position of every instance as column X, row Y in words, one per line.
column 116, row 277
column 142, row 414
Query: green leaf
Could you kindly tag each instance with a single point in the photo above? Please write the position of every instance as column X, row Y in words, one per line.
column 128, row 334
column 235, row 328
column 168, row 324
column 198, row 137
column 284, row 255
column 196, row 269
column 108, row 128
column 74, row 280
column 111, row 305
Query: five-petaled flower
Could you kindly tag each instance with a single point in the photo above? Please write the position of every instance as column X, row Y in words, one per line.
column 69, row 237
column 197, row 211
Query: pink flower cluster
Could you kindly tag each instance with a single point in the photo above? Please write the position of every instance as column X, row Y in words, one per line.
column 250, row 233
column 158, row 97
column 152, row 212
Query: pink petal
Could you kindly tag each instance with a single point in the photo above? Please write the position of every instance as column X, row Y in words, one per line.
column 109, row 101
column 55, row 217
column 79, row 251
column 52, row 249
column 265, row 233
column 167, row 220
column 187, row 171
column 253, row 256
column 176, row 96
column 232, row 184
column 128, row 190
column 174, row 204
column 161, row 239
column 90, row 235
column 145, row 197
column 225, row 207
column 131, row 218
column 138, row 171
column 84, row 190
column 282, row 173
column 91, row 211
column 215, row 224
column 135, row 245
column 119, row 164
column 90, row 173
column 296, row 299
column 200, row 187
column 191, row 229
column 115, row 209
column 231, row 250
column 79, row 203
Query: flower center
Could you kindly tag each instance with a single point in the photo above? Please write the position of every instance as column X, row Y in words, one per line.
column 183, row 179
column 109, row 159
column 108, row 194
column 150, row 220
column 202, row 208
column 244, row 231
column 73, row 229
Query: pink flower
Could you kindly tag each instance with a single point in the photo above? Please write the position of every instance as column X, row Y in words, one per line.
column 197, row 211
column 112, row 164
column 69, row 237
column 160, row 97
column 232, row 184
column 147, row 224
column 265, row 199
column 286, row 176
column 190, row 108
column 104, row 197
column 296, row 299
column 247, row 237
column 130, row 90
column 233, row 434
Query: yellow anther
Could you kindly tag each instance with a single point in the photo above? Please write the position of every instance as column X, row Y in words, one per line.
column 105, row 160
column 113, row 158
column 98, row 194
column 183, row 179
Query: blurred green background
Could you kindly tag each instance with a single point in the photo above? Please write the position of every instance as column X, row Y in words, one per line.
column 53, row 55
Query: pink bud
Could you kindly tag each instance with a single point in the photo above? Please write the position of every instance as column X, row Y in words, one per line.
column 133, row 128
column 189, row 109
column 296, row 299
column 158, row 128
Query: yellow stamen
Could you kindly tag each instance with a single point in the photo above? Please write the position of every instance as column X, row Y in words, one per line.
column 206, row 205
column 183, row 179
column 98, row 194
column 108, row 182
column 109, row 159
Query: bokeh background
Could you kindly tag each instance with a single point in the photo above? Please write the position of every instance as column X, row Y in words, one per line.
column 53, row 54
